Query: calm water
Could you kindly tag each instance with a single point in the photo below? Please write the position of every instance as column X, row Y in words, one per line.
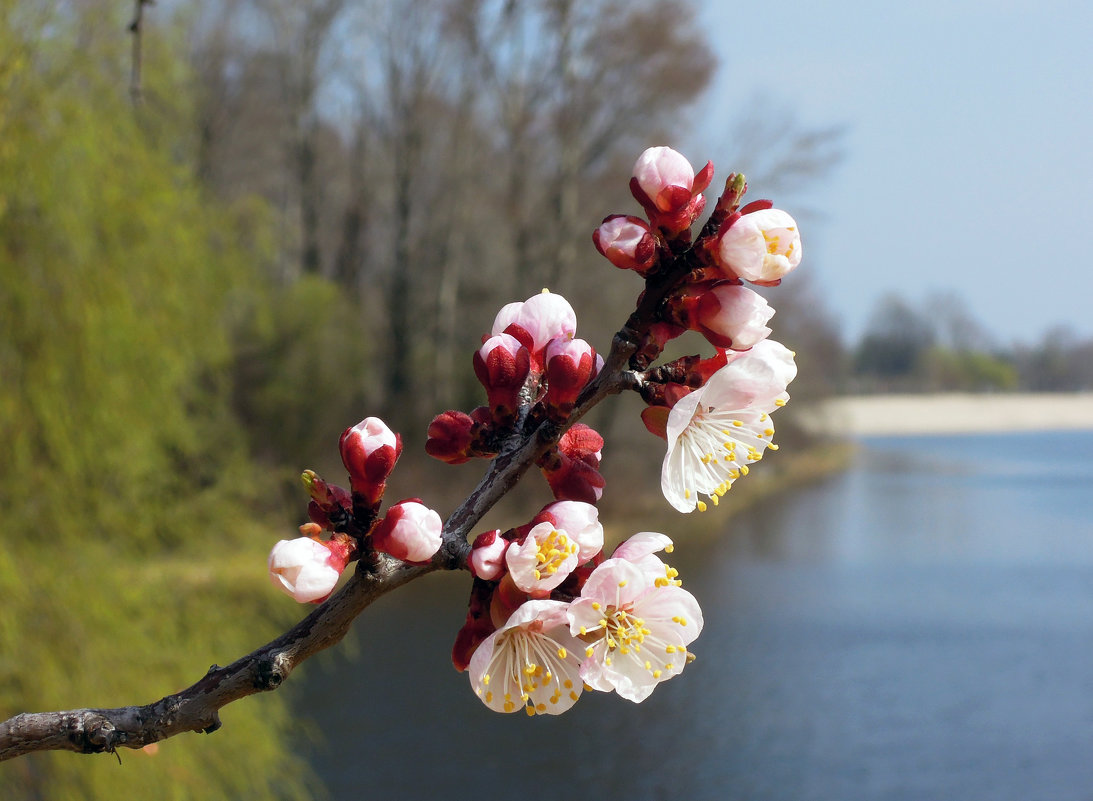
column 920, row 627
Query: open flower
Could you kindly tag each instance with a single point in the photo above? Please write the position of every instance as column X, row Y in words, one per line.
column 640, row 550
column 548, row 554
column 715, row 432
column 307, row 569
column 532, row 662
column 581, row 519
column 636, row 629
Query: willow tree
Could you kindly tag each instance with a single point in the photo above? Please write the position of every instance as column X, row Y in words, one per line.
column 122, row 463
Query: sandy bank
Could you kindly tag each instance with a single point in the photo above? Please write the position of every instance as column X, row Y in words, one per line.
column 953, row 413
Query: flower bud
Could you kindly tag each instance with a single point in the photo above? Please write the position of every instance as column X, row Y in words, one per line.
column 571, row 469
column 730, row 316
column 450, row 436
column 537, row 321
column 502, row 365
column 410, row 531
column 487, row 559
column 570, row 365
column 666, row 186
column 626, row 242
column 759, row 246
column 369, row 452
column 330, row 506
column 477, row 627
column 307, row 569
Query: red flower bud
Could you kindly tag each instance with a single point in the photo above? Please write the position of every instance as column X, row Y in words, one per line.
column 369, row 452
column 502, row 365
column 570, row 365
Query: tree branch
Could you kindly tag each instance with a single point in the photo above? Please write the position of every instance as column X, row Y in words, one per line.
column 92, row 731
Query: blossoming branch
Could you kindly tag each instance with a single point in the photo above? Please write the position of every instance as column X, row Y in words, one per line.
column 550, row 615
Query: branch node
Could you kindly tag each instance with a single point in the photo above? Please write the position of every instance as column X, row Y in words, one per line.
column 271, row 672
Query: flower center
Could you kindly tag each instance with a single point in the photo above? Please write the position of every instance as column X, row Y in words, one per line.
column 528, row 668
column 553, row 551
column 721, row 445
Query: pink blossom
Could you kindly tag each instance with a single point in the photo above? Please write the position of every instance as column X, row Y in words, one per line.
column 641, row 549
column 715, row 432
column 626, row 242
column 581, row 520
column 409, row 531
column 532, row 662
column 546, row 556
column 761, row 246
column 636, row 629
column 307, row 569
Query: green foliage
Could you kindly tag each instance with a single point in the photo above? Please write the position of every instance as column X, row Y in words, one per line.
column 966, row 371
column 300, row 356
column 132, row 558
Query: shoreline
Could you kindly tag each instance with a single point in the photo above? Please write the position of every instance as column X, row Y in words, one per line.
column 950, row 413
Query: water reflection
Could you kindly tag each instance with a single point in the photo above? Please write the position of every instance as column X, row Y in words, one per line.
column 918, row 627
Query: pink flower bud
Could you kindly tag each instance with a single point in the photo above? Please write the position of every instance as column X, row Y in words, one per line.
column 570, row 365
column 410, row 531
column 761, row 246
column 537, row 321
column 731, row 316
column 666, row 186
column 502, row 365
column 665, row 176
column 488, row 555
column 369, row 452
column 626, row 242
column 307, row 569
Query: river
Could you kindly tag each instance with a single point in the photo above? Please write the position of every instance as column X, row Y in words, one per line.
column 917, row 627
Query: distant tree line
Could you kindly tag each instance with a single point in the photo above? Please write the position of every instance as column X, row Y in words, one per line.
column 940, row 346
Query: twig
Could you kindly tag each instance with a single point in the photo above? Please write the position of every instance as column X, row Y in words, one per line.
column 136, row 27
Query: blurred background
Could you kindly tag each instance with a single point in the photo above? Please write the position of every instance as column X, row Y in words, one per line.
column 225, row 239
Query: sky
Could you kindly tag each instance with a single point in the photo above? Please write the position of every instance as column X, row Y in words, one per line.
column 969, row 131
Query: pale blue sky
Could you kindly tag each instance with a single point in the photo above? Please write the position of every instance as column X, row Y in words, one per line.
column 968, row 163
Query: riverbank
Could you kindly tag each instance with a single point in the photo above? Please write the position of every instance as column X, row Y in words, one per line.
column 952, row 413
